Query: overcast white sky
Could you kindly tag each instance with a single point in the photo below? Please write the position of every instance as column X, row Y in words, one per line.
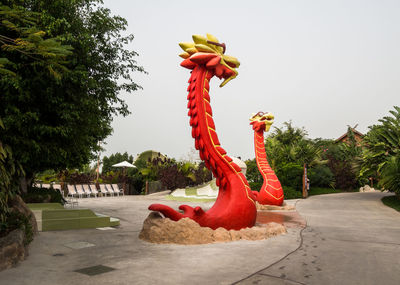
column 322, row 64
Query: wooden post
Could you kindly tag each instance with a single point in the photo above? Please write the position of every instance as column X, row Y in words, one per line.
column 305, row 192
column 124, row 177
column 146, row 191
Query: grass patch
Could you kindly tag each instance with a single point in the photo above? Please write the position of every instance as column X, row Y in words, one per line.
column 392, row 202
column 185, row 199
column 192, row 191
column 292, row 193
column 319, row 191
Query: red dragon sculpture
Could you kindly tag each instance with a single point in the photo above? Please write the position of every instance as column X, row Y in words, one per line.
column 271, row 192
column 235, row 206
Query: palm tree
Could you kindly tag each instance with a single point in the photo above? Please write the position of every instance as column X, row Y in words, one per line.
column 390, row 175
column 381, row 143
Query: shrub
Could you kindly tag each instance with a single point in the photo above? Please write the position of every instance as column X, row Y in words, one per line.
column 390, row 175
column 252, row 172
column 136, row 183
column 292, row 193
column 256, row 186
column 321, row 176
column 345, row 178
column 42, row 195
column 171, row 178
column 291, row 175
column 17, row 220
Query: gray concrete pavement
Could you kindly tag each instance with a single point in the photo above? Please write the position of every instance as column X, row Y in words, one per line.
column 350, row 239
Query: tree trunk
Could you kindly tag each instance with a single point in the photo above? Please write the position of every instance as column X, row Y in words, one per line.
column 24, row 182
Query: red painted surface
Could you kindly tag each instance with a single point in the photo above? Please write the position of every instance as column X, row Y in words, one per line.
column 271, row 192
column 288, row 219
column 235, row 205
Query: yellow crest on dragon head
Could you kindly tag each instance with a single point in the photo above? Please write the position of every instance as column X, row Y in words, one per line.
column 211, row 53
column 262, row 121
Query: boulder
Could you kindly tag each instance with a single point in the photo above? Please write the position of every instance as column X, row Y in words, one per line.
column 18, row 205
column 367, row 188
column 12, row 249
column 157, row 229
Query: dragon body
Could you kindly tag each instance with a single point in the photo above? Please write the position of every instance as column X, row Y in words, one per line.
column 235, row 206
column 271, row 192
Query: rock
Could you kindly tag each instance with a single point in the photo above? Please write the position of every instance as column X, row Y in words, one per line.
column 157, row 229
column 12, row 249
column 235, row 235
column 18, row 205
column 367, row 188
column 274, row 229
column 284, row 207
column 221, row 235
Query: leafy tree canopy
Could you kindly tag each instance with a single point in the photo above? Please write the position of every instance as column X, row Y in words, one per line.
column 63, row 64
column 290, row 144
column 381, row 153
column 115, row 158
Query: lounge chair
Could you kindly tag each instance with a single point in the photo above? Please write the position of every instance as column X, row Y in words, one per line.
column 69, row 199
column 56, row 186
column 109, row 189
column 86, row 189
column 94, row 190
column 79, row 190
column 71, row 191
column 103, row 189
column 117, row 190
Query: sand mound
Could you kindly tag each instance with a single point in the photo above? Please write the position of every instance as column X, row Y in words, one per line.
column 284, row 207
column 157, row 229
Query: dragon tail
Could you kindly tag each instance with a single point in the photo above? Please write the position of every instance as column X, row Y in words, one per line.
column 188, row 212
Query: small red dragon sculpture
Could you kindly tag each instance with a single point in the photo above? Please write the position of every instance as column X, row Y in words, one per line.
column 235, row 206
column 271, row 192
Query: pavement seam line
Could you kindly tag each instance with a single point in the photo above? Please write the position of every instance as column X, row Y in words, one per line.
column 279, row 260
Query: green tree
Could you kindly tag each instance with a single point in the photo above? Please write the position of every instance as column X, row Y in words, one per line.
column 291, row 145
column 56, row 108
column 381, row 150
column 9, row 174
column 115, row 158
column 390, row 175
column 22, row 42
column 288, row 149
column 343, row 161
column 252, row 173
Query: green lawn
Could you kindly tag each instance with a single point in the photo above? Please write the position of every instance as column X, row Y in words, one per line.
column 319, row 191
column 291, row 193
column 392, row 202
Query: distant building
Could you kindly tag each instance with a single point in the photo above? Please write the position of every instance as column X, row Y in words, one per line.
column 150, row 155
column 345, row 137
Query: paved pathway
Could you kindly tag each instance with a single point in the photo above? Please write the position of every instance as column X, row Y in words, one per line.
column 349, row 239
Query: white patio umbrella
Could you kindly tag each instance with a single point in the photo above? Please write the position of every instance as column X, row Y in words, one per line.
column 124, row 164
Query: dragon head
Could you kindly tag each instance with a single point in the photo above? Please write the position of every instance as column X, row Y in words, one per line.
column 262, row 121
column 209, row 52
